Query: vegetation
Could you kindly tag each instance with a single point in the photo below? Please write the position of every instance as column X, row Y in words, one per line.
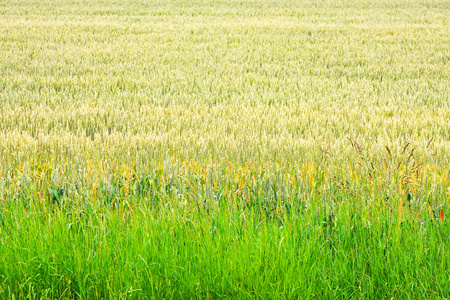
column 224, row 149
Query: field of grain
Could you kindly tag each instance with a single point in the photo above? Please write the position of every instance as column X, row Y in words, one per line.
column 224, row 149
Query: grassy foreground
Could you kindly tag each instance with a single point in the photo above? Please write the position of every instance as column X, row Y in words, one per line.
column 224, row 149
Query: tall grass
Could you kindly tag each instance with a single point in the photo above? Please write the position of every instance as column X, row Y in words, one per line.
column 197, row 240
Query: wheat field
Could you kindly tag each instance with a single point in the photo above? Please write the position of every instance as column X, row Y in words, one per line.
column 224, row 149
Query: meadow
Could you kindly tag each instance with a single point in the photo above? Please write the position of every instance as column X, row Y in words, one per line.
column 215, row 149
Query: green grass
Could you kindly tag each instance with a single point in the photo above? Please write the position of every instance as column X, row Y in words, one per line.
column 224, row 149
column 224, row 247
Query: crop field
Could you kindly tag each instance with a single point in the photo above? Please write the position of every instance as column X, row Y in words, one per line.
column 273, row 149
